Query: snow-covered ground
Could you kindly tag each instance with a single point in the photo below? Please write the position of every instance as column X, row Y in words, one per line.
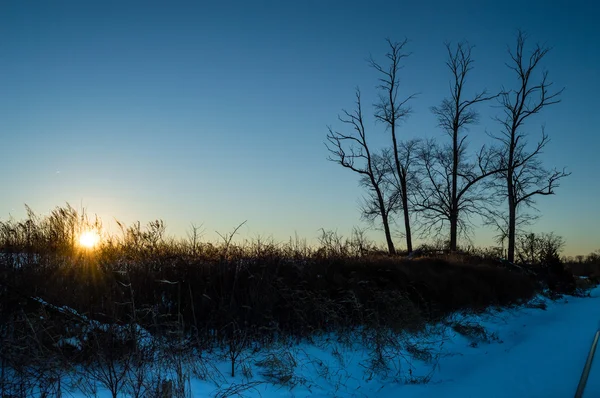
column 525, row 352
column 542, row 354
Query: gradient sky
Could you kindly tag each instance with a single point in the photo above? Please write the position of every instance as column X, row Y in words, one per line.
column 216, row 112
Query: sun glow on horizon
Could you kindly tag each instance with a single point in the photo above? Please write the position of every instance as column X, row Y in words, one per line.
column 89, row 239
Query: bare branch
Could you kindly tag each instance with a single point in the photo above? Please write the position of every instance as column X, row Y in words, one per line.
column 351, row 150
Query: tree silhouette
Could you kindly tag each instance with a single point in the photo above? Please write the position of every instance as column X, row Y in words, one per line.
column 391, row 110
column 450, row 195
column 351, row 150
column 525, row 177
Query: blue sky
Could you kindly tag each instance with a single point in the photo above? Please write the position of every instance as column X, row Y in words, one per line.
column 216, row 112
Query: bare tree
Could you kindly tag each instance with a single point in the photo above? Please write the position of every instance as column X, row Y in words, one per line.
column 434, row 200
column 451, row 179
column 524, row 176
column 535, row 249
column 352, row 152
column 391, row 110
column 382, row 164
column 498, row 219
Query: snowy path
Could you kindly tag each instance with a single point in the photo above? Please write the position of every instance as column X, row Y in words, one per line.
column 542, row 355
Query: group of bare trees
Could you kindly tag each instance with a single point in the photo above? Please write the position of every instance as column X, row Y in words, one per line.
column 387, row 173
column 441, row 186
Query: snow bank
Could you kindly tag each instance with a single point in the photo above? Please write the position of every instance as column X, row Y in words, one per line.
column 520, row 352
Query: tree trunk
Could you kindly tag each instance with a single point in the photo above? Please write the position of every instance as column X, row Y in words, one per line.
column 453, row 230
column 402, row 177
column 512, row 204
column 406, row 217
column 512, row 217
column 388, row 235
column 384, row 218
column 511, row 233
column 454, row 209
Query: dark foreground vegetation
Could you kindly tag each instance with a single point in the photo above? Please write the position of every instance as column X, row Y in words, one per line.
column 105, row 310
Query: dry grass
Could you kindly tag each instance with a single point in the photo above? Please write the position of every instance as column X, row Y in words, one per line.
column 198, row 295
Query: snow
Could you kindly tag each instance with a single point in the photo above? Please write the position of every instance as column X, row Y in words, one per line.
column 524, row 352
column 542, row 355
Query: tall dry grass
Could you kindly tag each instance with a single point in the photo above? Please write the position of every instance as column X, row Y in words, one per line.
column 60, row 303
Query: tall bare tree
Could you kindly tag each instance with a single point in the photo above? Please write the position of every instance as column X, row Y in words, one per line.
column 451, row 177
column 524, row 176
column 392, row 110
column 351, row 150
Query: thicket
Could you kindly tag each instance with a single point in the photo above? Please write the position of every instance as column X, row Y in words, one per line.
column 65, row 307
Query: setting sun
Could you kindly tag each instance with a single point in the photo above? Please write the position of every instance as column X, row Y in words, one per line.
column 89, row 239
